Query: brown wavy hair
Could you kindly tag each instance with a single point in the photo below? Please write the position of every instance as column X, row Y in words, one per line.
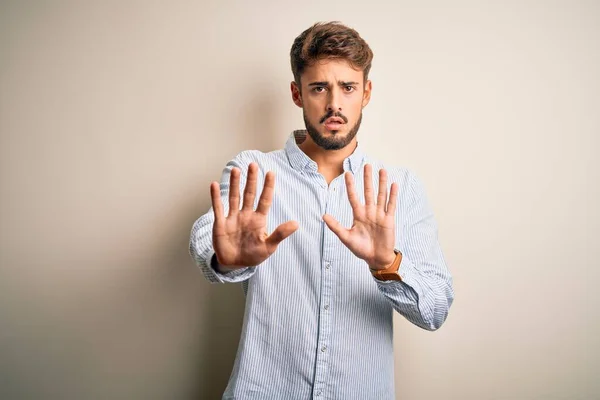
column 330, row 40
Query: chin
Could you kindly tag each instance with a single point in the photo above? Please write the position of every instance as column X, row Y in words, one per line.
column 331, row 140
column 337, row 132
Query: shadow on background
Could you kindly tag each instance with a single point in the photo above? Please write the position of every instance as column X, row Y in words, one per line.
column 224, row 308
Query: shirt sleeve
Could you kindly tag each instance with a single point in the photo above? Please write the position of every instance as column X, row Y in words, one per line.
column 201, row 247
column 425, row 294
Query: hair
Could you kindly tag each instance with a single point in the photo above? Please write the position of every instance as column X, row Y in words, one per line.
column 330, row 40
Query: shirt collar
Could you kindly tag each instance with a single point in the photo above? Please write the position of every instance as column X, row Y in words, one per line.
column 300, row 161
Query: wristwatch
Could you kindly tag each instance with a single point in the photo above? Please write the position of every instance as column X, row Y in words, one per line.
column 391, row 272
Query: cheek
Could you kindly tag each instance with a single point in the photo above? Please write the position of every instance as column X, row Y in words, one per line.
column 354, row 112
column 312, row 111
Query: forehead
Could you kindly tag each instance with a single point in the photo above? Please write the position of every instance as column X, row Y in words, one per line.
column 331, row 71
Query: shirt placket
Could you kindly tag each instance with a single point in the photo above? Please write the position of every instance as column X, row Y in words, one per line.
column 328, row 265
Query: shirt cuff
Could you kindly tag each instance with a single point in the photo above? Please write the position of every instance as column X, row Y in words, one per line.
column 233, row 276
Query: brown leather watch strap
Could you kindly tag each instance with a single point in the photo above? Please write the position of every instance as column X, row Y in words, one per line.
column 392, row 269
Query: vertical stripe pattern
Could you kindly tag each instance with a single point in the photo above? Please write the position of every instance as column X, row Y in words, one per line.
column 317, row 324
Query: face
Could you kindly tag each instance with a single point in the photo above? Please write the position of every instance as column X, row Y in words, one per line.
column 332, row 97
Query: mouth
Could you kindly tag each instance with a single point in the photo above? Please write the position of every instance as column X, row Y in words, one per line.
column 333, row 123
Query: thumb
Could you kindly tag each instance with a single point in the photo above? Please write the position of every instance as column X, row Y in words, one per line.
column 281, row 233
column 336, row 228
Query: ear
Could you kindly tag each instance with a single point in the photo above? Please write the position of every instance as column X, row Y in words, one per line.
column 296, row 95
column 367, row 93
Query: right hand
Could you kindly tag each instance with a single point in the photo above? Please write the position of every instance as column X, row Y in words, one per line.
column 241, row 239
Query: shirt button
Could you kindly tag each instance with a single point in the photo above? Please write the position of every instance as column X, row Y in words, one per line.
column 319, row 393
column 327, row 265
column 323, row 349
column 327, row 306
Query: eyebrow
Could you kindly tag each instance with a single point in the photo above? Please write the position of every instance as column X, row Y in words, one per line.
column 341, row 83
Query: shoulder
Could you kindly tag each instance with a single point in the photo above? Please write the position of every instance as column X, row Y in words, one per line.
column 396, row 173
column 266, row 161
column 260, row 157
column 248, row 156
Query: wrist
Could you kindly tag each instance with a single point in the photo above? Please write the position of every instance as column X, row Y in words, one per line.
column 389, row 273
column 385, row 263
column 218, row 267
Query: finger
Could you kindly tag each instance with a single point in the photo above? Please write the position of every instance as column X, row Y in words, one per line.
column 250, row 190
column 391, row 207
column 368, row 185
column 336, row 228
column 266, row 197
column 215, row 195
column 352, row 196
column 282, row 232
column 382, row 195
column 234, row 191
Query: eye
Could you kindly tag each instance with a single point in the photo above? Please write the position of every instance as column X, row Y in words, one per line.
column 349, row 89
column 319, row 89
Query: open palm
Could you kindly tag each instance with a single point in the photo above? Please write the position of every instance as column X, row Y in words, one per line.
column 372, row 235
column 241, row 239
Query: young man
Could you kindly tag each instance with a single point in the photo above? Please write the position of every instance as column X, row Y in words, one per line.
column 320, row 296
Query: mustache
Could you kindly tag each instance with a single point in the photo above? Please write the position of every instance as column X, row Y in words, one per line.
column 332, row 114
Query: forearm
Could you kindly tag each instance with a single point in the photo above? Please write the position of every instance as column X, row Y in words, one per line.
column 425, row 293
column 201, row 240
column 423, row 298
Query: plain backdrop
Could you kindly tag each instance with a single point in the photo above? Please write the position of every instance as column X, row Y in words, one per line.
column 116, row 116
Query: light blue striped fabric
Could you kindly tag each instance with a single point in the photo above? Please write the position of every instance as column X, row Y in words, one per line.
column 317, row 324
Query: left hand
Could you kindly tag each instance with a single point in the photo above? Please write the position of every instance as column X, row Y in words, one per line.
column 372, row 235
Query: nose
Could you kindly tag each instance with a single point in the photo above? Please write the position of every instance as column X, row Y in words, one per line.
column 333, row 102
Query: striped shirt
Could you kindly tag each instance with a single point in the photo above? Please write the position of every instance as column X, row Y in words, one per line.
column 317, row 324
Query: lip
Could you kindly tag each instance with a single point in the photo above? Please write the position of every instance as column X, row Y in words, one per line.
column 333, row 126
column 333, row 123
column 334, row 120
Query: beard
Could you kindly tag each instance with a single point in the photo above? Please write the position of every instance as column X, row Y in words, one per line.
column 333, row 142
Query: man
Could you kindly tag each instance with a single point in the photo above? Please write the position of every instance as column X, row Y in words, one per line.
column 319, row 296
